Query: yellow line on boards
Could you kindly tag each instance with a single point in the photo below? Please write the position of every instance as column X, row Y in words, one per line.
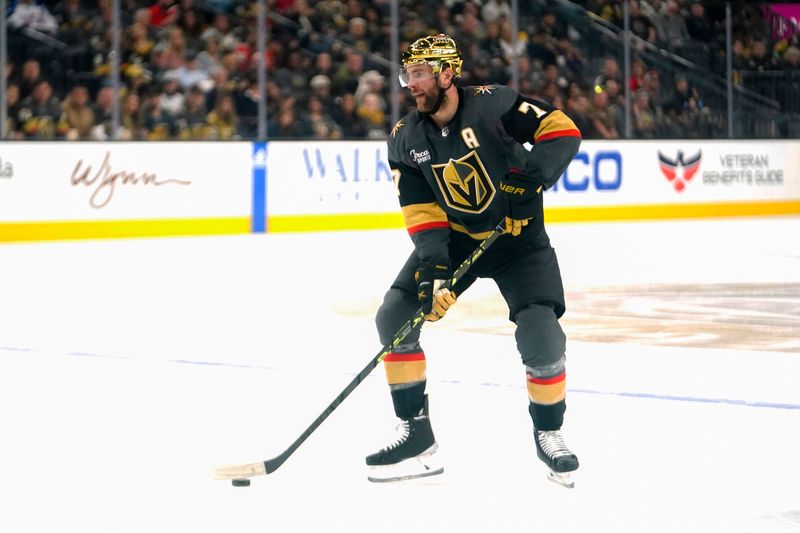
column 284, row 223
column 110, row 229
column 670, row 211
column 287, row 223
column 105, row 229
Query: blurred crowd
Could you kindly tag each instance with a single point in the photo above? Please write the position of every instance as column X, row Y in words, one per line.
column 189, row 68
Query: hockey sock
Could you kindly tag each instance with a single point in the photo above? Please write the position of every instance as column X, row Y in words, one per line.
column 405, row 372
column 547, row 391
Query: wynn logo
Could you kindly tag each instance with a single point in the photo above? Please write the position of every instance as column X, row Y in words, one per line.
column 104, row 180
column 465, row 184
column 680, row 171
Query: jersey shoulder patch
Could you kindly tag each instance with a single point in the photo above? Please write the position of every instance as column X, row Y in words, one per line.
column 400, row 134
column 498, row 98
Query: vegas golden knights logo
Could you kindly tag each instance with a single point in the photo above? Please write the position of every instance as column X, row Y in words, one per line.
column 464, row 183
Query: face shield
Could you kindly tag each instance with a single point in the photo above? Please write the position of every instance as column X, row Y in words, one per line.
column 415, row 73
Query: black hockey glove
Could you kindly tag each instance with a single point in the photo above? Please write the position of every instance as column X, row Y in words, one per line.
column 520, row 191
column 430, row 276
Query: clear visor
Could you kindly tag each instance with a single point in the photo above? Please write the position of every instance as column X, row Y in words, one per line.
column 415, row 74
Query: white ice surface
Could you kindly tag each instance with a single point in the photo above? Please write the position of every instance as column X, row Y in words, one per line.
column 128, row 369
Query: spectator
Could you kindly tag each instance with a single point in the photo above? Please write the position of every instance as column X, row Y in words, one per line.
column 741, row 55
column 496, row 11
column 138, row 45
column 39, row 113
column 651, row 82
column 158, row 125
column 370, row 82
column 681, row 95
column 285, row 125
column 321, row 88
column 791, row 59
column 346, row 78
column 643, row 119
column 12, row 111
column 508, row 48
column 175, row 48
column 77, row 119
column 552, row 74
column 190, row 73
column 132, row 125
column 103, row 113
column 760, row 57
column 193, row 123
column 356, row 35
column 223, row 120
column 190, row 22
column 470, row 28
column 638, row 70
column 444, row 20
column 323, row 65
column 208, row 59
column 172, row 99
column 578, row 110
column 372, row 113
column 698, row 25
column 674, row 33
column 346, row 117
column 602, row 117
column 491, row 43
column 163, row 13
column 73, row 22
column 653, row 9
column 610, row 10
column 641, row 25
column 610, row 71
column 30, row 76
column 694, row 120
column 28, row 14
column 318, row 122
column 293, row 74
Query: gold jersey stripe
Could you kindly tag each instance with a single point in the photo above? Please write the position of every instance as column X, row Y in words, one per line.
column 554, row 122
column 416, row 214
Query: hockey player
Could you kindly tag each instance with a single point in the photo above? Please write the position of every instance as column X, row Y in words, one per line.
column 460, row 167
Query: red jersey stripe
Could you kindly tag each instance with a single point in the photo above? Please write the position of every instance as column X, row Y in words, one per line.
column 562, row 133
column 427, row 225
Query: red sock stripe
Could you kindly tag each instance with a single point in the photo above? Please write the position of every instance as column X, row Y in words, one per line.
column 399, row 357
column 548, row 381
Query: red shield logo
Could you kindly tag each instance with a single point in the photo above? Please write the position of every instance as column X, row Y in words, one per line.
column 681, row 170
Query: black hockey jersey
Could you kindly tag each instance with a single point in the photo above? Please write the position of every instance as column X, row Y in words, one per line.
column 448, row 178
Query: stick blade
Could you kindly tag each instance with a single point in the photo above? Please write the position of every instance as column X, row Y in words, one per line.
column 240, row 471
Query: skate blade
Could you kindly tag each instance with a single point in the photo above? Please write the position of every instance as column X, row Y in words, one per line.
column 376, row 479
column 562, row 478
column 414, row 468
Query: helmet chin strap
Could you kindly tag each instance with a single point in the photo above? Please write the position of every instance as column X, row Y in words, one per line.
column 440, row 98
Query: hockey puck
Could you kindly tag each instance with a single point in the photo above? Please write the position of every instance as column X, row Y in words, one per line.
column 242, row 482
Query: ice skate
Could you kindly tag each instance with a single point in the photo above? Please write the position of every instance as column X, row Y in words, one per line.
column 559, row 459
column 412, row 455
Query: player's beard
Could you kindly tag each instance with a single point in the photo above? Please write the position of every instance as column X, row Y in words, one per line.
column 428, row 101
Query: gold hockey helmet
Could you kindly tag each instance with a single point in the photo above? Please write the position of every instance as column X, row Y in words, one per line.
column 434, row 50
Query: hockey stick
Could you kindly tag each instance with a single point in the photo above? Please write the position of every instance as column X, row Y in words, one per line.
column 271, row 465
